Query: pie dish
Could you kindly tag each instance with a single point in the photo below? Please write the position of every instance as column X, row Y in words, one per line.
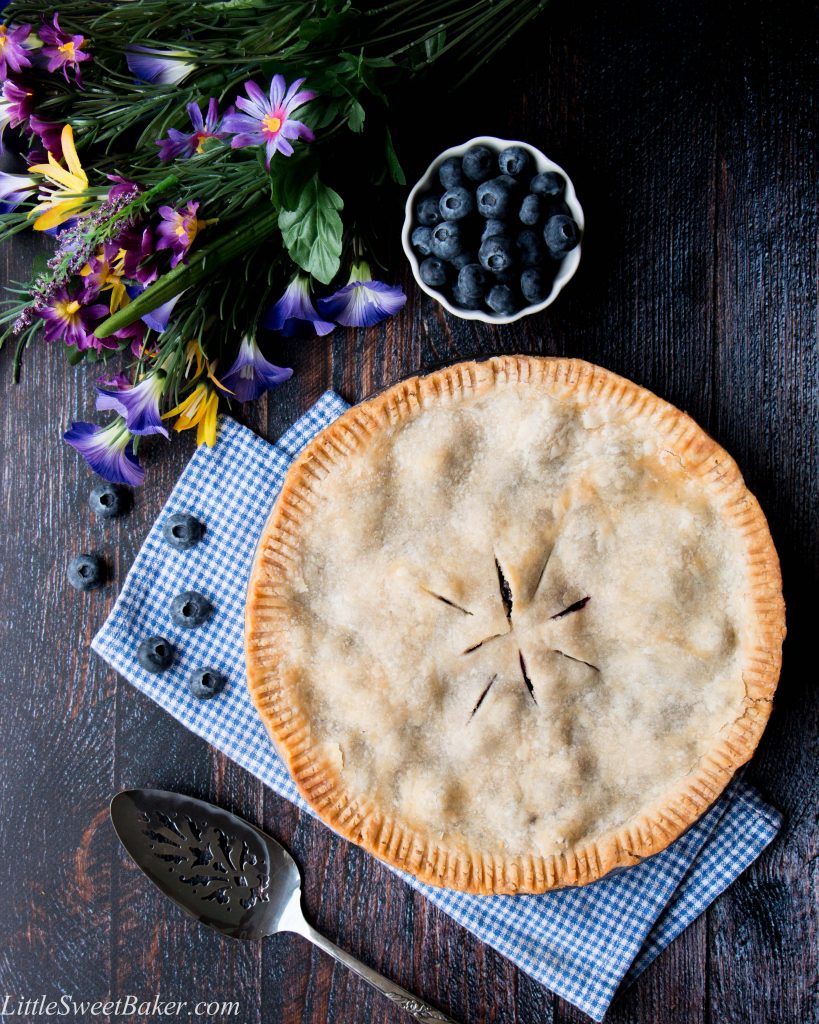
column 514, row 624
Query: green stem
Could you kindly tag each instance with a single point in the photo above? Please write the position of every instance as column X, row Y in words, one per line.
column 160, row 187
column 204, row 262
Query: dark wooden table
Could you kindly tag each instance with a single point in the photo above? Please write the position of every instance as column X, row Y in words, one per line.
column 690, row 132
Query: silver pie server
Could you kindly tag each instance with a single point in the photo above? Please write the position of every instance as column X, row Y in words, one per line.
column 230, row 876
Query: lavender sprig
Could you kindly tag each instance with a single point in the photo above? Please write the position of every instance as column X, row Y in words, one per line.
column 79, row 242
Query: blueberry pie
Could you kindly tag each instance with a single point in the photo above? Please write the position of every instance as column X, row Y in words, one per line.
column 514, row 624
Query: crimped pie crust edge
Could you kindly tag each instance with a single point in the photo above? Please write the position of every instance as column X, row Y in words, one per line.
column 426, row 856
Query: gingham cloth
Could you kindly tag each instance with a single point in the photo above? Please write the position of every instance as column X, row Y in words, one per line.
column 581, row 943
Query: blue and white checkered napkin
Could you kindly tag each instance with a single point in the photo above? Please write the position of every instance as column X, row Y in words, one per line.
column 581, row 943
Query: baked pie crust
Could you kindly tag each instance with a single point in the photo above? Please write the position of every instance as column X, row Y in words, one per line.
column 514, row 624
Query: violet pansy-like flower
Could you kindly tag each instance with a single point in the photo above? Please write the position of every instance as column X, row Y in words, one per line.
column 158, row 67
column 294, row 312
column 138, row 404
column 265, row 120
column 63, row 50
column 69, row 321
column 178, row 229
column 251, row 374
column 183, row 145
column 109, row 451
column 13, row 55
column 362, row 302
column 137, row 244
column 103, row 273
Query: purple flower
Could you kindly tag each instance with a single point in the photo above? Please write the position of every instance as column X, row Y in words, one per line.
column 294, row 311
column 138, row 246
column 139, row 404
column 15, row 105
column 251, row 374
column 119, row 380
column 135, row 333
column 158, row 67
column 50, row 134
column 67, row 320
column 157, row 319
column 14, row 188
column 266, row 120
column 178, row 229
column 122, row 187
column 185, row 144
column 13, row 55
column 362, row 302
column 62, row 50
column 109, row 451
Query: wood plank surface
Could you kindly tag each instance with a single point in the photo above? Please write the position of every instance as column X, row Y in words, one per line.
column 690, row 133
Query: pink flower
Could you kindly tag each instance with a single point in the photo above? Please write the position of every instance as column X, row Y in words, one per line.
column 62, row 50
column 266, row 120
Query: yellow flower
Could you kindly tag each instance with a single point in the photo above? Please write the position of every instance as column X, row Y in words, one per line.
column 198, row 410
column 194, row 352
column 108, row 277
column 60, row 203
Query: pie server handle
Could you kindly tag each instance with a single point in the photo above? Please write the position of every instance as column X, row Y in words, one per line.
column 414, row 1006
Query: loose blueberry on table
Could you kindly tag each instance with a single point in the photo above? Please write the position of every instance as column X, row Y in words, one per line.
column 109, row 500
column 190, row 609
column 493, row 238
column 86, row 572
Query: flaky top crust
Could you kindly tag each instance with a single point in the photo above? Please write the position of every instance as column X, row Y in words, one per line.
column 428, row 853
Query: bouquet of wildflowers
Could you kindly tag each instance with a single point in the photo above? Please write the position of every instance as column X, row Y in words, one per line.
column 192, row 162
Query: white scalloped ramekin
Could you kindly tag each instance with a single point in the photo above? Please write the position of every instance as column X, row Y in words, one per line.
column 429, row 182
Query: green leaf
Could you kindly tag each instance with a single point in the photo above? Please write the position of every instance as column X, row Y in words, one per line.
column 312, row 231
column 329, row 27
column 434, row 44
column 355, row 116
column 290, row 177
column 396, row 170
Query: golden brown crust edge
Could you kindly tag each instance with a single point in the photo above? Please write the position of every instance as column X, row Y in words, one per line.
column 458, row 867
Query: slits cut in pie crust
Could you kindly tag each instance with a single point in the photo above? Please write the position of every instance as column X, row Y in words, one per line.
column 290, row 615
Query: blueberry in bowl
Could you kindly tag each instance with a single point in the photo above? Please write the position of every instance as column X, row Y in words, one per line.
column 493, row 230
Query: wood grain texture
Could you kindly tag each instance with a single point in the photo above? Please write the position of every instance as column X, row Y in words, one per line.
column 690, row 133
